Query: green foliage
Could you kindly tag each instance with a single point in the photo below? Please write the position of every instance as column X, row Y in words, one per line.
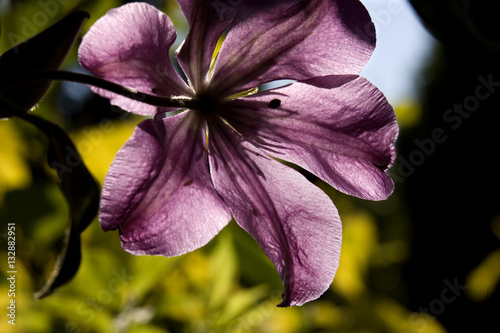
column 227, row 286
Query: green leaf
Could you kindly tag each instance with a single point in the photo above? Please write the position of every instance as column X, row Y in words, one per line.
column 224, row 266
column 79, row 187
column 241, row 303
column 45, row 51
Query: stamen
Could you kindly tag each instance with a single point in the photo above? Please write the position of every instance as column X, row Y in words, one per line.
column 245, row 93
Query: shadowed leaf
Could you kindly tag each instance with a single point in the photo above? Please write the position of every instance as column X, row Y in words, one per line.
column 460, row 22
column 45, row 51
column 80, row 189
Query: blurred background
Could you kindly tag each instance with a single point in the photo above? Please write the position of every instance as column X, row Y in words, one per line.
column 425, row 260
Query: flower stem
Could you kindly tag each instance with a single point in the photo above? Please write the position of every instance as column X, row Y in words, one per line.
column 173, row 102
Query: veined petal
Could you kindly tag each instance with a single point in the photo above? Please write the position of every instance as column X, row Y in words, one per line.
column 341, row 128
column 130, row 46
column 207, row 21
column 294, row 222
column 294, row 40
column 158, row 190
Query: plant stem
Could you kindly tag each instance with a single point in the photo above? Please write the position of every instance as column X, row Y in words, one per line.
column 175, row 102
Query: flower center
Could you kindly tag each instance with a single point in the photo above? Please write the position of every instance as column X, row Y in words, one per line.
column 205, row 104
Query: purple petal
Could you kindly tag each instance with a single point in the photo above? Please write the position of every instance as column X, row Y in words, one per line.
column 341, row 128
column 295, row 40
column 158, row 190
column 294, row 222
column 207, row 21
column 130, row 46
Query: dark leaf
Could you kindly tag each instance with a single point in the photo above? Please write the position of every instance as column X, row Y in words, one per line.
column 462, row 22
column 80, row 189
column 45, row 51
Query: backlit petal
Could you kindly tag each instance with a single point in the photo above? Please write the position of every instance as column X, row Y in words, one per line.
column 130, row 46
column 158, row 191
column 294, row 222
column 295, row 40
column 341, row 128
column 207, row 21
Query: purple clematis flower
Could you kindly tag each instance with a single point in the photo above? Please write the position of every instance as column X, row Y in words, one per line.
column 179, row 180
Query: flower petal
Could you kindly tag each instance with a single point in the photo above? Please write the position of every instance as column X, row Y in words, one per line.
column 294, row 222
column 207, row 21
column 130, row 46
column 158, row 191
column 341, row 128
column 296, row 40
